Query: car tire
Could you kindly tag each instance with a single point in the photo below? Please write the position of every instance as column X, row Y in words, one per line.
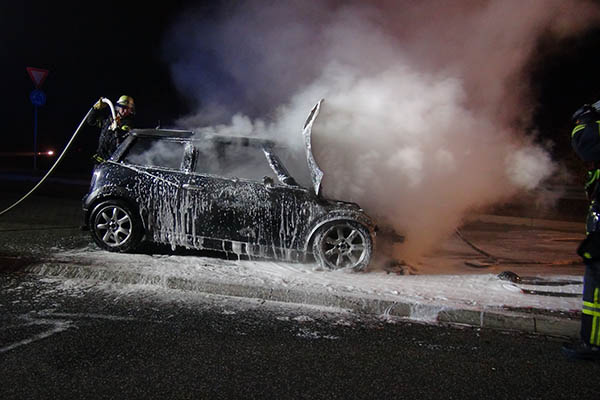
column 343, row 245
column 115, row 226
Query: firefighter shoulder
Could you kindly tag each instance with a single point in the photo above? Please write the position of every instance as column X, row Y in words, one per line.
column 585, row 137
column 97, row 115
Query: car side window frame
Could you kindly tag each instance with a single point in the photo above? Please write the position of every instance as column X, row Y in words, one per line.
column 123, row 148
column 187, row 163
column 124, row 152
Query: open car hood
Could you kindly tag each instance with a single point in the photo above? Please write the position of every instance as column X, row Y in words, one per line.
column 316, row 173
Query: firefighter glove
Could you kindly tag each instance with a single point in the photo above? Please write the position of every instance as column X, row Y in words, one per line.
column 98, row 159
column 589, row 249
column 99, row 104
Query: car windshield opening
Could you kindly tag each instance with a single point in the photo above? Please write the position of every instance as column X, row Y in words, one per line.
column 232, row 159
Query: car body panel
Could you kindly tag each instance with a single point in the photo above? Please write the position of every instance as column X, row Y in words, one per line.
column 316, row 173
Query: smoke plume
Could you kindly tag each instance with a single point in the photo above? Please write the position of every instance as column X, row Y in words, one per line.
column 427, row 103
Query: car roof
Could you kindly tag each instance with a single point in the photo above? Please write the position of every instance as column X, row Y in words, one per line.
column 197, row 136
column 175, row 133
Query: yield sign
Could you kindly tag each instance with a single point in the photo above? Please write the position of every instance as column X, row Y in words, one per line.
column 37, row 75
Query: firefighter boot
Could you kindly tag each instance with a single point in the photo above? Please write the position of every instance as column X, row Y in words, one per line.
column 581, row 351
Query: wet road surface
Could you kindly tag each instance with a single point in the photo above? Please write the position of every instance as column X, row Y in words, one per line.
column 63, row 340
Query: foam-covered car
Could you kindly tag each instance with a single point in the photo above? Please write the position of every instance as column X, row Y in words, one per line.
column 231, row 194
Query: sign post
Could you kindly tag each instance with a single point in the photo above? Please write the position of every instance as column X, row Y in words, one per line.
column 38, row 99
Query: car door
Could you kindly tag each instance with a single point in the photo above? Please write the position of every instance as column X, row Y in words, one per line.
column 222, row 205
column 216, row 207
column 234, row 197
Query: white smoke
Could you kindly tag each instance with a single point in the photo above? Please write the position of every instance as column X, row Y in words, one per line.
column 425, row 102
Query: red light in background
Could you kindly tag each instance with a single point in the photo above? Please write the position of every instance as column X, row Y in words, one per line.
column 48, row 153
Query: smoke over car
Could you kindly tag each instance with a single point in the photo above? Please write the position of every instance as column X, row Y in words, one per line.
column 427, row 103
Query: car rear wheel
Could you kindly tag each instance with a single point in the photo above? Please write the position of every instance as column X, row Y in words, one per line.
column 115, row 227
column 343, row 244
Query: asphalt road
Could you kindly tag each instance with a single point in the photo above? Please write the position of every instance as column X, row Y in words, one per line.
column 64, row 341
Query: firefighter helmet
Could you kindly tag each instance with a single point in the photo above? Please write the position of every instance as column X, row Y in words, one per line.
column 126, row 101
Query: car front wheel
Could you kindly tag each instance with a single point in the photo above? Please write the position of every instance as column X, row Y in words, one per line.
column 115, row 227
column 343, row 244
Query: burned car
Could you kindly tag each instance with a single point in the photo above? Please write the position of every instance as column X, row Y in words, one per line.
column 230, row 194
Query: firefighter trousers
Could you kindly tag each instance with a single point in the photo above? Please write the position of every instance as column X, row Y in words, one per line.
column 590, row 314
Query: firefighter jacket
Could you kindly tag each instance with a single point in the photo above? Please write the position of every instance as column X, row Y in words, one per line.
column 585, row 139
column 109, row 139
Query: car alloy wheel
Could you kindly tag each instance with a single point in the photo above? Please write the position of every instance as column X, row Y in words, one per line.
column 343, row 244
column 115, row 227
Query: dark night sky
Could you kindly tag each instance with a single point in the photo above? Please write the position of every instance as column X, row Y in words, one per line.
column 564, row 76
column 109, row 48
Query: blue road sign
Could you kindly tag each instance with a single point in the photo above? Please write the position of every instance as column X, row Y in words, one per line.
column 37, row 97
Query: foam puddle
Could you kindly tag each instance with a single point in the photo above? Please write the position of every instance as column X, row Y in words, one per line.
column 163, row 272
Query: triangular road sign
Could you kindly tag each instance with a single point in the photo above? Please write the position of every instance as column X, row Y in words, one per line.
column 37, row 75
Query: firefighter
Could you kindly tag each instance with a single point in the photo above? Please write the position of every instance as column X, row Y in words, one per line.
column 585, row 139
column 111, row 135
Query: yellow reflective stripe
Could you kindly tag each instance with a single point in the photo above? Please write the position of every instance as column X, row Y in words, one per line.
column 577, row 129
column 592, row 308
column 593, row 313
column 591, row 305
column 97, row 158
column 126, row 128
column 592, row 176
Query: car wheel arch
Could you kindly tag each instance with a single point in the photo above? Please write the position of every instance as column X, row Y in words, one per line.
column 127, row 200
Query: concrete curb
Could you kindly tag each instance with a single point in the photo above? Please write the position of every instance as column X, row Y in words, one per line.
column 531, row 322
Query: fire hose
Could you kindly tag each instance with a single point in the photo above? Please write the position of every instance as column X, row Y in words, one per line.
column 496, row 260
column 59, row 159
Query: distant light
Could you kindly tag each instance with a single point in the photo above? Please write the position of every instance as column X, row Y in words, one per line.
column 50, row 152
